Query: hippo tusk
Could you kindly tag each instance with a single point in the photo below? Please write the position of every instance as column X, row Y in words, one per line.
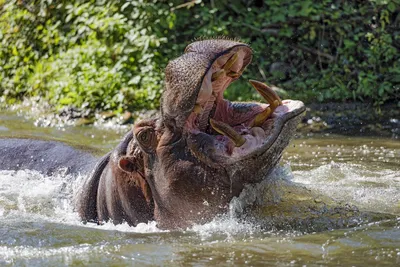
column 231, row 61
column 228, row 131
column 226, row 69
column 267, row 93
column 198, row 109
column 261, row 117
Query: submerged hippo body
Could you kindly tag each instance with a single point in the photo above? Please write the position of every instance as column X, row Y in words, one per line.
column 190, row 162
column 44, row 156
column 108, row 191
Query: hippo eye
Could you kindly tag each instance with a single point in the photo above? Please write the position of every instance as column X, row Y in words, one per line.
column 146, row 138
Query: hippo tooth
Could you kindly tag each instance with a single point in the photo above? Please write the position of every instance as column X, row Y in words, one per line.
column 261, row 117
column 267, row 93
column 217, row 74
column 233, row 74
column 198, row 109
column 231, row 61
column 228, row 131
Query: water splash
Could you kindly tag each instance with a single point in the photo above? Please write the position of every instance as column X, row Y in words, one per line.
column 232, row 225
column 376, row 190
column 255, row 193
column 32, row 196
column 226, row 228
column 39, row 226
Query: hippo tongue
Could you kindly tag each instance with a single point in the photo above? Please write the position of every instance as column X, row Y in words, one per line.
column 253, row 135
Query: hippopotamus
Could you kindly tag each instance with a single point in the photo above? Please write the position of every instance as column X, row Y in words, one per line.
column 185, row 166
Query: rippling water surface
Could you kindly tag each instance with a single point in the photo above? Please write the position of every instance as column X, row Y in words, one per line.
column 38, row 225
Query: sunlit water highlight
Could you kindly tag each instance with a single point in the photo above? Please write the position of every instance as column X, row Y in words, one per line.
column 373, row 190
column 39, row 226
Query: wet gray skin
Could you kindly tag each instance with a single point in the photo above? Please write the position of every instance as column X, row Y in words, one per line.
column 44, row 156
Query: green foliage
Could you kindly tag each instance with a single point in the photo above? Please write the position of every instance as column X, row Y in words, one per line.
column 109, row 55
column 315, row 50
column 90, row 54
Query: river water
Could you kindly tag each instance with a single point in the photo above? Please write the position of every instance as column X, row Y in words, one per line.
column 39, row 227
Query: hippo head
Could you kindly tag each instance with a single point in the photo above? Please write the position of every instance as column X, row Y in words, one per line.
column 203, row 149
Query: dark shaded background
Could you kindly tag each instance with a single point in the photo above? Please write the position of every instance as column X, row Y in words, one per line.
column 110, row 55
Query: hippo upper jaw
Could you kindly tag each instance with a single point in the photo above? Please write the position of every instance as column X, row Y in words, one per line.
column 220, row 132
column 191, row 80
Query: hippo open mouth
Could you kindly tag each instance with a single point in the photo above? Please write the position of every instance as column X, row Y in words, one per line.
column 226, row 132
column 186, row 165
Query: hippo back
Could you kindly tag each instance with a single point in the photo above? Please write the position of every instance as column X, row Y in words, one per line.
column 43, row 156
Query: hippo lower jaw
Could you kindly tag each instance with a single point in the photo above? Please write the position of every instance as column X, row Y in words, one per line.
column 220, row 132
column 221, row 149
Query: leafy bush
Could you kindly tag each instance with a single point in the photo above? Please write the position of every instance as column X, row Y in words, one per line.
column 110, row 55
column 316, row 50
column 92, row 54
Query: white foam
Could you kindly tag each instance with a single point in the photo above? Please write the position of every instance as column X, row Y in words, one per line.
column 31, row 195
column 231, row 224
column 226, row 227
column 376, row 190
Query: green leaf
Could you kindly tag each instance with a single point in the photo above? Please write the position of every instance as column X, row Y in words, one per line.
column 391, row 7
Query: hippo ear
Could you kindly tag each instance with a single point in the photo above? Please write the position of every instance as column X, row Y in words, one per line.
column 127, row 164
